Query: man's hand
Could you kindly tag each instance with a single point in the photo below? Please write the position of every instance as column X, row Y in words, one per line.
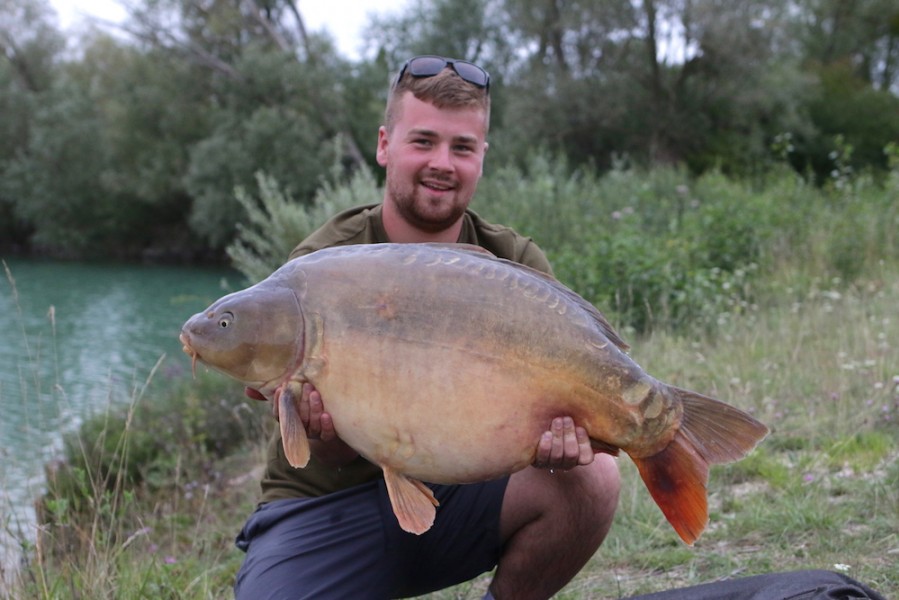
column 318, row 423
column 324, row 443
column 564, row 446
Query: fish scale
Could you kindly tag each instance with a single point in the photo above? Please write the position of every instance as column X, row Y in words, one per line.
column 442, row 363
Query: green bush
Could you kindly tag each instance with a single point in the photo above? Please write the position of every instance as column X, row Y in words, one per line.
column 276, row 223
column 651, row 249
column 660, row 248
column 648, row 248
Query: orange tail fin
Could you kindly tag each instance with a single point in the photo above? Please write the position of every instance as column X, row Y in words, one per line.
column 711, row 432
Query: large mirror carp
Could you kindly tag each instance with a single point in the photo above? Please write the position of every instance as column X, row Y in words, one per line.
column 442, row 363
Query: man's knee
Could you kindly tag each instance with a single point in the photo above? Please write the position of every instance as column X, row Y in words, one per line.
column 601, row 487
column 604, row 480
column 582, row 499
column 596, row 485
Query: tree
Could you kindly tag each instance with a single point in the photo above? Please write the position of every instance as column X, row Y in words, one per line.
column 658, row 81
column 30, row 46
column 864, row 33
column 54, row 180
column 274, row 101
column 852, row 50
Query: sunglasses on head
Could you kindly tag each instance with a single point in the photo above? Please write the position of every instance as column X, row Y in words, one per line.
column 429, row 66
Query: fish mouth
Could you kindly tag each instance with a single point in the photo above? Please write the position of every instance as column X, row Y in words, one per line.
column 188, row 349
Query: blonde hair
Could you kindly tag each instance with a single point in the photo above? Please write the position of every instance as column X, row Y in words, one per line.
column 444, row 90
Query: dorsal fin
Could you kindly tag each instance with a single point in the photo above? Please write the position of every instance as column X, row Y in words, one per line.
column 559, row 287
column 571, row 295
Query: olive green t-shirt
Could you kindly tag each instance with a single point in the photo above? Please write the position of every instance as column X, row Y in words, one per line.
column 362, row 225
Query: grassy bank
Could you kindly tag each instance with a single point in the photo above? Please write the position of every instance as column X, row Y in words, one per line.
column 821, row 492
column 150, row 497
column 146, row 502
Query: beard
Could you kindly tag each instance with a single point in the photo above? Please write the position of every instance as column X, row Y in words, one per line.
column 425, row 212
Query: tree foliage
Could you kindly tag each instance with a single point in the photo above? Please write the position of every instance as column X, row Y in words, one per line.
column 131, row 139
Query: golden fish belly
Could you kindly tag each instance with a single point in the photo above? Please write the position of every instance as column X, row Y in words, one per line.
column 437, row 415
column 453, row 412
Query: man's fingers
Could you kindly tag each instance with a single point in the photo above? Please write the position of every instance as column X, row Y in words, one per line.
column 571, row 451
column 567, row 443
column 318, row 423
column 276, row 402
column 564, row 446
column 544, row 449
column 558, row 447
column 316, row 409
column 311, row 410
column 585, row 450
column 328, row 432
column 559, row 430
column 303, row 406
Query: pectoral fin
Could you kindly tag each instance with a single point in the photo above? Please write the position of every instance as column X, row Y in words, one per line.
column 413, row 502
column 293, row 434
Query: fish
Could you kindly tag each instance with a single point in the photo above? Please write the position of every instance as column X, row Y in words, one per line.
column 442, row 363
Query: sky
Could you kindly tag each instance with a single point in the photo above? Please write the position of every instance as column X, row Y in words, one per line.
column 343, row 18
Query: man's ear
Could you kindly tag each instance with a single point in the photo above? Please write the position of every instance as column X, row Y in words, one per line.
column 383, row 141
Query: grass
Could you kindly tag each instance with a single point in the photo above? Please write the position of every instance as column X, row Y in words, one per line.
column 821, row 492
column 823, row 489
column 152, row 495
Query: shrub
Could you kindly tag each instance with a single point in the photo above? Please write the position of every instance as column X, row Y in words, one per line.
column 651, row 249
column 276, row 223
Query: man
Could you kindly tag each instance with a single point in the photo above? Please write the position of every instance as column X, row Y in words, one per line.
column 327, row 531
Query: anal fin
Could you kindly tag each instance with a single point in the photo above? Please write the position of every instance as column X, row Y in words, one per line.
column 677, row 478
column 413, row 502
column 293, row 434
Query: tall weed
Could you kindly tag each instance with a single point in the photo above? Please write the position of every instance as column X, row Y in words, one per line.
column 129, row 507
column 276, row 223
column 650, row 249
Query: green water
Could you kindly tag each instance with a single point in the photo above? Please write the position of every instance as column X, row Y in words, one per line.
column 76, row 337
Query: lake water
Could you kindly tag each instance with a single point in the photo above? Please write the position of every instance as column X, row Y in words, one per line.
column 75, row 337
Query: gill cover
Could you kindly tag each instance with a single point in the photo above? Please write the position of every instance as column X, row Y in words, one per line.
column 254, row 335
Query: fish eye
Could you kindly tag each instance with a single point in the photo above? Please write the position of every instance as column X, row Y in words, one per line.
column 225, row 320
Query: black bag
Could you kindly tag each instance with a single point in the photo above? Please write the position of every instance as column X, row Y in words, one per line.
column 796, row 585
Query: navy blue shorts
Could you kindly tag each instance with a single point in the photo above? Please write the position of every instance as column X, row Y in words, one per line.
column 349, row 545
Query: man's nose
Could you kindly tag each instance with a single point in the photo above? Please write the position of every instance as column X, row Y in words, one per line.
column 441, row 158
